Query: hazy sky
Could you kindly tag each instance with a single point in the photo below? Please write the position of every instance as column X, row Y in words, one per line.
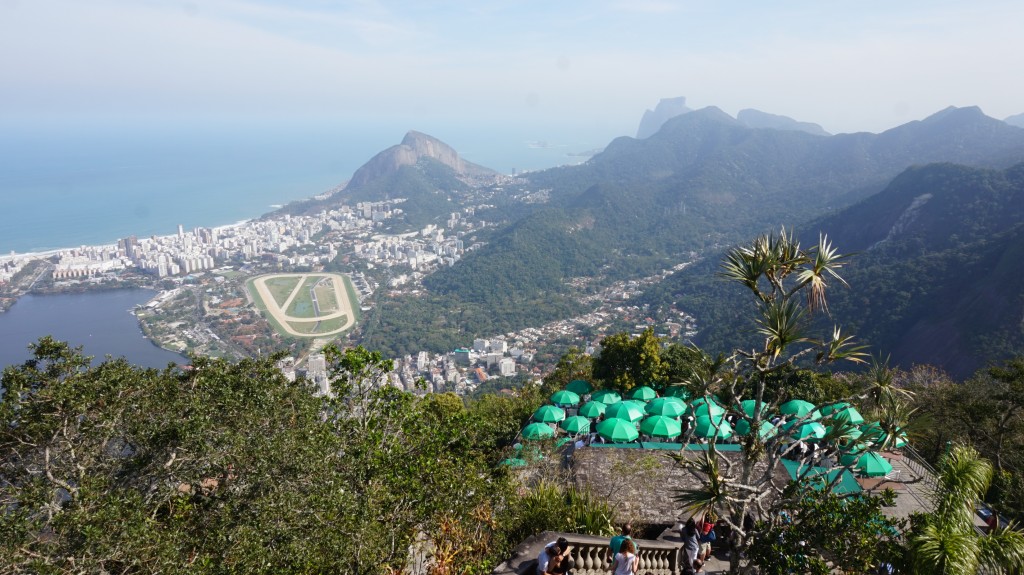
column 850, row 66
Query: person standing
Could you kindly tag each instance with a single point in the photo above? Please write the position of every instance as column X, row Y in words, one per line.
column 625, row 560
column 691, row 540
column 616, row 542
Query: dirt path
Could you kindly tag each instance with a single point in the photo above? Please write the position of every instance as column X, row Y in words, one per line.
column 279, row 312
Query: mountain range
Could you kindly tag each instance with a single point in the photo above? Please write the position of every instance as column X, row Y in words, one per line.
column 703, row 181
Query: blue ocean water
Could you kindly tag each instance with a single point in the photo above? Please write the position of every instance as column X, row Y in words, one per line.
column 92, row 183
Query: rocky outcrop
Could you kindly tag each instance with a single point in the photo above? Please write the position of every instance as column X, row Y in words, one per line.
column 666, row 109
column 414, row 147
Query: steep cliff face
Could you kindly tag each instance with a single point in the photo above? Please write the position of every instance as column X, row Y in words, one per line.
column 666, row 109
column 414, row 146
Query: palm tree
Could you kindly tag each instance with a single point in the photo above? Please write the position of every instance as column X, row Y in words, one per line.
column 945, row 541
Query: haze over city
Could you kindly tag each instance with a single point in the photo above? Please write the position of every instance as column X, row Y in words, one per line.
column 584, row 66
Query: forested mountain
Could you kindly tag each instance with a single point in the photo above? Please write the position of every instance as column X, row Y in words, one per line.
column 935, row 277
column 703, row 181
column 752, row 118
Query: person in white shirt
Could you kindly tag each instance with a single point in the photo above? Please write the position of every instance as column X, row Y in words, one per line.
column 554, row 558
column 625, row 560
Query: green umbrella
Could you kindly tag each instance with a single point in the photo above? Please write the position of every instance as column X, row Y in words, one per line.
column 807, row 430
column 707, row 428
column 870, row 464
column 661, row 426
column 538, row 431
column 849, row 433
column 799, row 408
column 617, row 430
column 644, row 393
column 748, row 406
column 575, row 424
column 849, row 414
column 626, row 411
column 834, row 407
column 565, row 398
column 704, row 407
column 677, row 391
column 549, row 414
column 670, row 406
column 593, row 409
column 513, row 462
column 901, row 440
column 641, row 405
column 606, row 396
column 767, row 429
column 872, row 432
column 562, row 441
column 579, row 386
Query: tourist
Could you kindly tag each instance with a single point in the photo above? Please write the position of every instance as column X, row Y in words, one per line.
column 691, row 541
column 625, row 562
column 616, row 542
column 554, row 558
column 707, row 536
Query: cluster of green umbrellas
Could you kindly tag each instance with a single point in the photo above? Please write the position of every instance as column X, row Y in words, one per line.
column 659, row 416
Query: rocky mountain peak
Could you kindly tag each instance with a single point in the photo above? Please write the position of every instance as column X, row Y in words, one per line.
column 414, row 147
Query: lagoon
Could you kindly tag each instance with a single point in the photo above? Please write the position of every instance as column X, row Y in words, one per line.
column 101, row 322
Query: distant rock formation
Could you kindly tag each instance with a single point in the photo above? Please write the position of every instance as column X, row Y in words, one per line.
column 666, row 109
column 1016, row 120
column 414, row 146
column 752, row 118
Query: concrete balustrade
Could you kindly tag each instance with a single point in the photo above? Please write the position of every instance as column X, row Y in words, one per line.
column 591, row 556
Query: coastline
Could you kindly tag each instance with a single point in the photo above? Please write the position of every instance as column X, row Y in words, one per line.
column 39, row 255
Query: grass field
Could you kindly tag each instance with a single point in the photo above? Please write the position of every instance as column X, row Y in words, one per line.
column 326, row 299
column 281, row 288
column 339, row 309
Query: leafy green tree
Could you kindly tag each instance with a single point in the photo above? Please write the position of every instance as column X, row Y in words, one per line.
column 574, row 364
column 986, row 411
column 626, row 362
column 823, row 531
column 229, row 467
column 944, row 542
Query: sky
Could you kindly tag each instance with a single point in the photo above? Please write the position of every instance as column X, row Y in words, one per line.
column 591, row 66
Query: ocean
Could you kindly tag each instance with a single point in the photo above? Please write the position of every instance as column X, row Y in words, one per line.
column 86, row 184
column 70, row 184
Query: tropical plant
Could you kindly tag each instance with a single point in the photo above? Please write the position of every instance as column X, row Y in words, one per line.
column 945, row 542
column 789, row 283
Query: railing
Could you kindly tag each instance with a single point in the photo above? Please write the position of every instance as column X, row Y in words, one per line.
column 929, row 477
column 591, row 555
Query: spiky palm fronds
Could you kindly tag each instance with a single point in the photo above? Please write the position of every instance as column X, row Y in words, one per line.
column 782, row 323
column 822, row 265
column 713, row 491
column 841, row 347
